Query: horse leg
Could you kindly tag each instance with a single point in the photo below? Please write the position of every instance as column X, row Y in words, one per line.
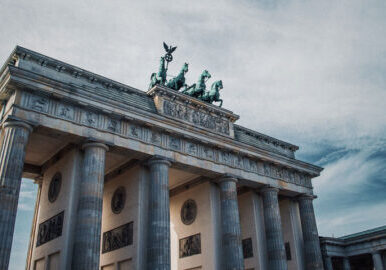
column 220, row 102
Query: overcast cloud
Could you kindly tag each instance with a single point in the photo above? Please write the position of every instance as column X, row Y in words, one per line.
column 308, row 72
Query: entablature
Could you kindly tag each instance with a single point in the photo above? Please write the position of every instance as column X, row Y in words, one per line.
column 83, row 106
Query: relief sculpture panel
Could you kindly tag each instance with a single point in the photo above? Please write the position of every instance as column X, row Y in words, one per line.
column 199, row 118
column 190, row 245
column 50, row 229
column 118, row 238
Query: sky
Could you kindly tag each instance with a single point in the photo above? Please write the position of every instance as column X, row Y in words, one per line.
column 312, row 73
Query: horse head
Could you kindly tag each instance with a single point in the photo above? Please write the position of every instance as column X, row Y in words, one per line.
column 217, row 85
column 205, row 74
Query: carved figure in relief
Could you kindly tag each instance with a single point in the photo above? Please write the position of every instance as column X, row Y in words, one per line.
column 179, row 81
column 267, row 169
column 174, row 143
column 192, row 148
column 155, row 137
column 198, row 89
column 113, row 125
column 64, row 111
column 213, row 94
column 90, row 118
column 39, row 104
column 134, row 131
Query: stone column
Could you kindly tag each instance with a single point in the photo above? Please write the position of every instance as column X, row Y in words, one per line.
column 377, row 260
column 274, row 235
column 346, row 263
column 12, row 154
column 89, row 213
column 158, row 247
column 232, row 253
column 312, row 253
column 328, row 263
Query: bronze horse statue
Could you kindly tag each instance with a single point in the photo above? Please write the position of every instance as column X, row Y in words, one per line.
column 160, row 77
column 179, row 81
column 197, row 90
column 213, row 94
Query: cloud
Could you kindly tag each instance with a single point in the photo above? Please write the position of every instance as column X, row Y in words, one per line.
column 346, row 222
column 27, row 195
column 351, row 190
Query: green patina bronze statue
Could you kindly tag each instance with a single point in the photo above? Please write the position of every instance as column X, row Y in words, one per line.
column 198, row 89
column 179, row 81
column 213, row 94
column 160, row 77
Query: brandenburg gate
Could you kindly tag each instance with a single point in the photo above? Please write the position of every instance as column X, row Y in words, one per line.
column 157, row 180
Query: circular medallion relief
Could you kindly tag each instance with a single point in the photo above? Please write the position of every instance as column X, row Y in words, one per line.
column 118, row 200
column 54, row 188
column 188, row 212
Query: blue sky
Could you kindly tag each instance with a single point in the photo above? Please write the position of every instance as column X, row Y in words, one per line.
column 308, row 72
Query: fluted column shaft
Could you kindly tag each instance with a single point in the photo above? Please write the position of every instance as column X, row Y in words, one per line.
column 12, row 156
column 312, row 253
column 232, row 253
column 377, row 261
column 158, row 248
column 346, row 263
column 89, row 212
column 274, row 235
column 328, row 263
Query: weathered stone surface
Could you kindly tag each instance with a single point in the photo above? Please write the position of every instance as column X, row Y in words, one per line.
column 273, row 230
column 158, row 255
column 12, row 156
column 232, row 253
column 313, row 255
column 89, row 214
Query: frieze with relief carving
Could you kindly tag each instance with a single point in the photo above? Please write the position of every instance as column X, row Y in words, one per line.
column 155, row 136
column 195, row 117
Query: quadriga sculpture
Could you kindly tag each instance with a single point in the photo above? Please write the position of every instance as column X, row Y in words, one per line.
column 160, row 77
column 198, row 89
column 213, row 94
column 178, row 82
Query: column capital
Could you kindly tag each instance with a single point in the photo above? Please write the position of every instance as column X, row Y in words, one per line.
column 95, row 144
column 15, row 123
column 227, row 178
column 376, row 252
column 158, row 160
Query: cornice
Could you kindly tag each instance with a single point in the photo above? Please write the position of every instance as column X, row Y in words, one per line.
column 20, row 53
column 269, row 139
